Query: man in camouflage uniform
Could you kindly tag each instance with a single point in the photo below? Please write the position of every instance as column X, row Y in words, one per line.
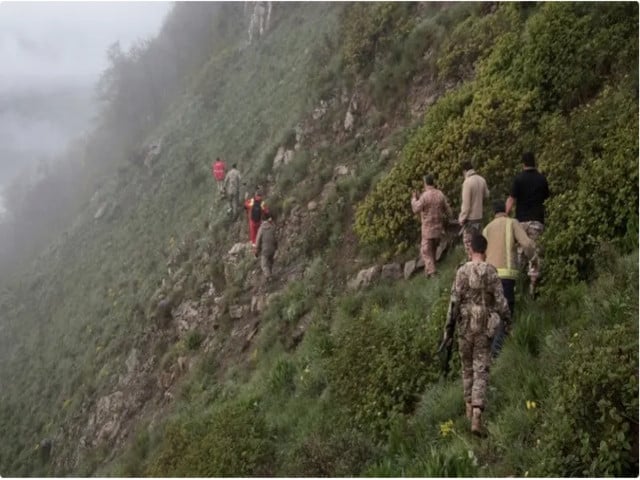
column 232, row 190
column 477, row 306
column 266, row 245
column 434, row 211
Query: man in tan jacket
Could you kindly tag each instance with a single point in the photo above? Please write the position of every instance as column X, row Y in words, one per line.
column 504, row 235
column 474, row 191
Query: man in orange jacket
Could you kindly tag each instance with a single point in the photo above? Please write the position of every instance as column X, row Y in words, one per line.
column 218, row 170
column 255, row 207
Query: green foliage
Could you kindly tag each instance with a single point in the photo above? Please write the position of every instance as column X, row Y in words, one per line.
column 592, row 164
column 230, row 441
column 383, row 358
column 331, row 454
column 194, row 340
column 594, row 400
column 553, row 81
column 368, row 30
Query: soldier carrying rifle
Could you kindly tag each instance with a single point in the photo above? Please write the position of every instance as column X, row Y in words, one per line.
column 477, row 306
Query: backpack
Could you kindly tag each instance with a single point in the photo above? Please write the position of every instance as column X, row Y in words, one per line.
column 256, row 210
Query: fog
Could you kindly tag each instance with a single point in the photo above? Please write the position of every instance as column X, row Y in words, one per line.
column 51, row 55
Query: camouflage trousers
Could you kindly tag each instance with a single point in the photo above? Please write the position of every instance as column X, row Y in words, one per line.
column 471, row 228
column 475, row 354
column 428, row 249
column 234, row 202
column 533, row 230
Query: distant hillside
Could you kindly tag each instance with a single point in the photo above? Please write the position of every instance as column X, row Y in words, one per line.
column 138, row 336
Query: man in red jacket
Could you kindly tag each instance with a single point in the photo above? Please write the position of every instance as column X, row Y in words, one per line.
column 255, row 208
column 218, row 169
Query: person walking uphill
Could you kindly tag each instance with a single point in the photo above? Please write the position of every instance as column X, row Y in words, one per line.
column 474, row 191
column 232, row 189
column 218, row 171
column 503, row 234
column 266, row 245
column 434, row 211
column 528, row 192
column 255, row 207
column 477, row 305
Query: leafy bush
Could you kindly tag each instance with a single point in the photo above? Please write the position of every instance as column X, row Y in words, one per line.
column 592, row 167
column 554, row 82
column 382, row 359
column 594, row 402
column 231, row 441
column 331, row 454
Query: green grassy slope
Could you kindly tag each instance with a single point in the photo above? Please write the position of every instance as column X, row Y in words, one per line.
column 361, row 393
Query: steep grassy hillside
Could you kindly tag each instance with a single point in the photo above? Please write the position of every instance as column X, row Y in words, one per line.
column 304, row 377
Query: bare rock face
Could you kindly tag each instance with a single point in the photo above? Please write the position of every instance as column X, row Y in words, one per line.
column 101, row 210
column 341, row 171
column 258, row 303
column 391, row 271
column 348, row 121
column 320, row 111
column 108, row 416
column 237, row 311
column 365, row 278
column 409, row 269
column 283, row 157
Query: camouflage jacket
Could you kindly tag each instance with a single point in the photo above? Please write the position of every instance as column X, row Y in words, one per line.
column 434, row 211
column 477, row 301
column 266, row 241
column 232, row 181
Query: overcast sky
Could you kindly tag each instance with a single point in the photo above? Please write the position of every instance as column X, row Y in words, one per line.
column 51, row 42
column 51, row 55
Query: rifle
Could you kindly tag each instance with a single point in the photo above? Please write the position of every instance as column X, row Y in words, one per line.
column 446, row 346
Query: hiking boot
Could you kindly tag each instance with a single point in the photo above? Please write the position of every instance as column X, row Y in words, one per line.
column 469, row 412
column 476, row 422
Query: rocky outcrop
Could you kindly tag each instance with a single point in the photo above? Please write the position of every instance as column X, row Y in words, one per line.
column 365, row 278
column 391, row 271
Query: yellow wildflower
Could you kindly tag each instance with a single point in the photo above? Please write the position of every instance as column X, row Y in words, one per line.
column 446, row 428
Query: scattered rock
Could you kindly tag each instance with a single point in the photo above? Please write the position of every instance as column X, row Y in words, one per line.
column 312, row 205
column 340, row 171
column 420, row 263
column 391, row 271
column 385, row 154
column 132, row 360
column 364, row 278
column 237, row 311
column 409, row 269
column 320, row 111
column 259, row 303
column 283, row 157
column 348, row 121
column 100, row 213
column 239, row 248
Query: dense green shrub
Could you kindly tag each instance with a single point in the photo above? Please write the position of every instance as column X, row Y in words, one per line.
column 595, row 182
column 554, row 82
column 336, row 453
column 231, row 441
column 592, row 412
column 382, row 359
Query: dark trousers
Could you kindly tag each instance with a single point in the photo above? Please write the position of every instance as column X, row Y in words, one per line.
column 508, row 287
